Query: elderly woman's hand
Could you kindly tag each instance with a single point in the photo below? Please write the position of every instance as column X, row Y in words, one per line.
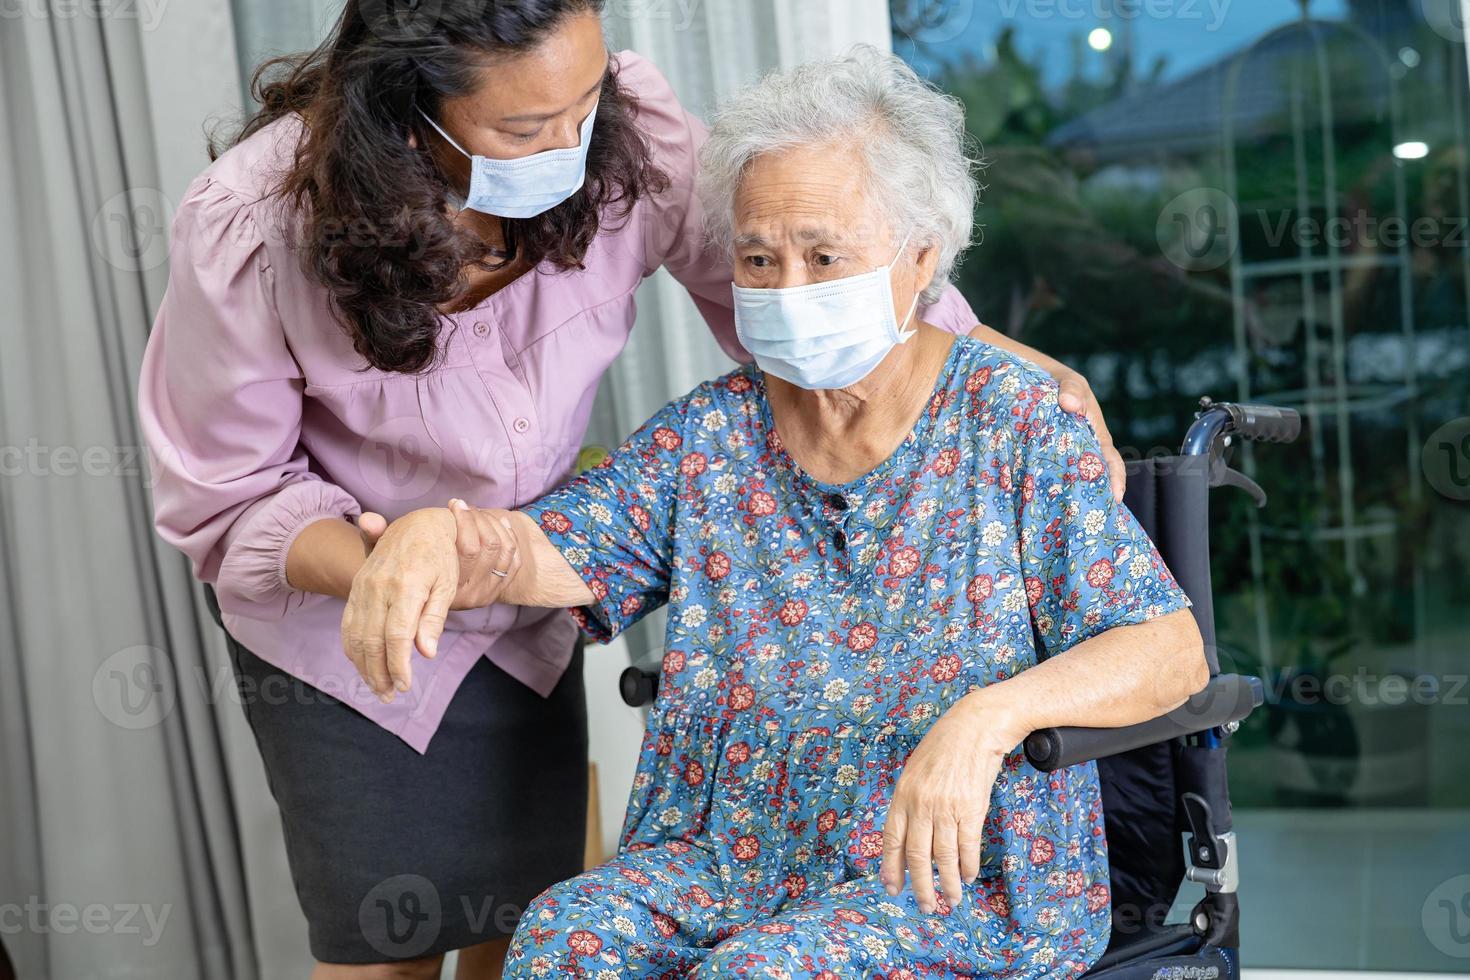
column 937, row 816
column 418, row 568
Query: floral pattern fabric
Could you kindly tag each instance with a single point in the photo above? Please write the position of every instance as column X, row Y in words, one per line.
column 815, row 633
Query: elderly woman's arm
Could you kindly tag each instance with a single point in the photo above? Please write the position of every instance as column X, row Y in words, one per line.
column 1127, row 675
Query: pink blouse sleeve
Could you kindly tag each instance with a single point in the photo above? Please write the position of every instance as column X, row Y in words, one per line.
column 674, row 221
column 951, row 312
column 220, row 403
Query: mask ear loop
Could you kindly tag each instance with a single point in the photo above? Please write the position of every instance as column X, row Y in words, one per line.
column 440, row 129
column 904, row 335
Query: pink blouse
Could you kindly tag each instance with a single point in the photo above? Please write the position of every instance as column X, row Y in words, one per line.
column 261, row 418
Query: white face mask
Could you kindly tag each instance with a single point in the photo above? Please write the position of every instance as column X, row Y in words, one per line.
column 826, row 334
column 528, row 186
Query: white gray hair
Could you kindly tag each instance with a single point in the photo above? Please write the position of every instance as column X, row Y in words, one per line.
column 920, row 170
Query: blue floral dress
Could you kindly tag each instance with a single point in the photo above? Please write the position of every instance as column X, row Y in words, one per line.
column 815, row 633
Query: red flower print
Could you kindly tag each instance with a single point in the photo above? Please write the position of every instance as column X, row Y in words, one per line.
column 584, row 943
column 792, row 612
column 904, row 973
column 1034, row 589
column 999, row 902
column 946, row 668
column 1042, row 850
column 635, row 876
column 555, row 523
column 870, row 845
column 852, row 915
column 1028, row 488
column 978, row 380
column 981, row 587
column 693, row 464
column 761, row 504
column 737, row 753
column 666, row 438
column 640, row 517
column 947, row 462
column 862, row 637
column 700, row 897
column 1091, row 466
column 665, row 744
column 694, row 773
column 794, row 884
column 674, row 661
column 738, row 383
column 742, row 696
column 827, row 821
column 746, row 848
column 1098, row 897
column 631, row 605
column 905, row 562
column 1100, row 574
column 1072, row 885
column 776, row 928
column 665, row 925
column 717, row 565
column 1005, row 477
column 598, row 588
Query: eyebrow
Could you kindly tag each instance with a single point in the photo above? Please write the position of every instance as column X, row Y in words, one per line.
column 543, row 116
column 808, row 236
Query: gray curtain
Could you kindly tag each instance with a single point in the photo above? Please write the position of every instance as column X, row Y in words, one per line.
column 121, row 803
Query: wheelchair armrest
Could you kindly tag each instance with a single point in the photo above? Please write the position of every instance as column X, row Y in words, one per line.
column 1225, row 699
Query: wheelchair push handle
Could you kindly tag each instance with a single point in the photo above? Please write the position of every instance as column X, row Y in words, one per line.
column 1267, row 423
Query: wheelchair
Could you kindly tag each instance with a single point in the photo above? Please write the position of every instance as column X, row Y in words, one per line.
column 1163, row 778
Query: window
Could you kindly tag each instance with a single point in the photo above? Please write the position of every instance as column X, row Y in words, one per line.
column 1267, row 202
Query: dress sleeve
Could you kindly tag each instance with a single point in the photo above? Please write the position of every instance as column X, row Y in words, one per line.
column 220, row 402
column 951, row 312
column 614, row 524
column 674, row 220
column 1087, row 564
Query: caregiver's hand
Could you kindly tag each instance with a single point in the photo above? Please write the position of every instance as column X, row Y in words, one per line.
column 417, row 569
column 937, row 816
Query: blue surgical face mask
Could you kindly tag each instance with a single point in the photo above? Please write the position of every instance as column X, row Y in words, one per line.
column 528, row 186
column 823, row 335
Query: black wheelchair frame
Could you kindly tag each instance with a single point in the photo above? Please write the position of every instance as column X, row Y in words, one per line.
column 1166, row 777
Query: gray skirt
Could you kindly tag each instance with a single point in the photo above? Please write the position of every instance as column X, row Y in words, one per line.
column 397, row 855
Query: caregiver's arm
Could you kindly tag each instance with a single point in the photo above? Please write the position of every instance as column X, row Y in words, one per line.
column 1124, row 676
column 431, row 561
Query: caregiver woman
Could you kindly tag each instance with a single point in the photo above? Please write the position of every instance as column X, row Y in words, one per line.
column 402, row 284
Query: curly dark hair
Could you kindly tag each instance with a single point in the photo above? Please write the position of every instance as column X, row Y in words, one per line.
column 377, row 234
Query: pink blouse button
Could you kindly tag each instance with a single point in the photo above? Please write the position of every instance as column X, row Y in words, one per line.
column 482, row 329
column 521, row 424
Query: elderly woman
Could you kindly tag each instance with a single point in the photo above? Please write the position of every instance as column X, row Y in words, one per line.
column 868, row 543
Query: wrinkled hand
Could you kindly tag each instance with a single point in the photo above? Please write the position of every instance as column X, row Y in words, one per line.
column 418, row 568
column 937, row 816
column 1076, row 397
